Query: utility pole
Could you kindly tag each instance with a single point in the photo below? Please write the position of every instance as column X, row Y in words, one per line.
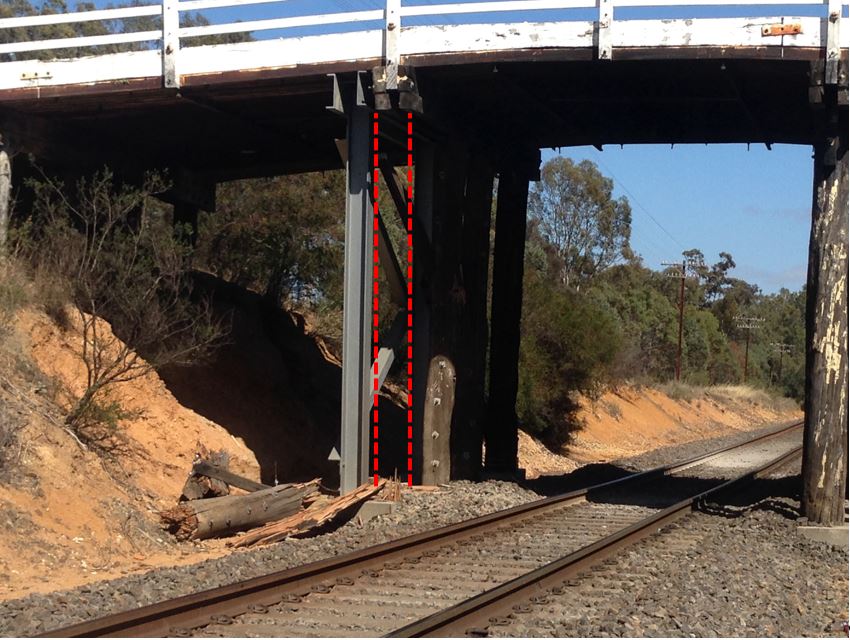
column 781, row 348
column 748, row 323
column 680, row 270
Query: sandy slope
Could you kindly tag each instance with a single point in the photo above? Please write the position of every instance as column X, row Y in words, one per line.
column 631, row 421
column 71, row 516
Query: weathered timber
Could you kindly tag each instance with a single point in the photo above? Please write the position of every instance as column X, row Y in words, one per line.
column 825, row 439
column 201, row 486
column 439, row 408
column 446, row 344
column 467, row 433
column 204, row 468
column 506, row 311
column 5, row 196
column 319, row 513
column 199, row 519
column 423, row 215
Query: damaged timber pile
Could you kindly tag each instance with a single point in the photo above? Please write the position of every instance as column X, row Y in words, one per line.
column 211, row 517
column 206, row 508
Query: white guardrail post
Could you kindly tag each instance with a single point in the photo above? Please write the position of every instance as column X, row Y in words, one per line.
column 170, row 43
column 603, row 30
column 392, row 29
column 833, row 41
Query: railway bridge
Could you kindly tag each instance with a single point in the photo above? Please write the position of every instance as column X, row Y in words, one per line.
column 457, row 94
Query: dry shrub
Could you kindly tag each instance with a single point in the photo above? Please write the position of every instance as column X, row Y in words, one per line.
column 110, row 250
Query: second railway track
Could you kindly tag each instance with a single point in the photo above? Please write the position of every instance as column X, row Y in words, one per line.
column 456, row 579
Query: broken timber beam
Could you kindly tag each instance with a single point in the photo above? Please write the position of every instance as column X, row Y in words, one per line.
column 203, row 468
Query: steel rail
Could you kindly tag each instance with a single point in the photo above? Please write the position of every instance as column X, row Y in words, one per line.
column 195, row 610
column 472, row 617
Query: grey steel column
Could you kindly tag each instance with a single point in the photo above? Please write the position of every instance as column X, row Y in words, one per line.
column 356, row 323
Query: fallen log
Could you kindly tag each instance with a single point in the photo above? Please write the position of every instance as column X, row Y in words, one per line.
column 314, row 516
column 200, row 519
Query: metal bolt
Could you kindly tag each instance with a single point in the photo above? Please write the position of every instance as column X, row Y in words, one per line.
column 435, row 434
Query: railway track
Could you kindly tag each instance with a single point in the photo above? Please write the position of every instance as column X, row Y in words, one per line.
column 457, row 580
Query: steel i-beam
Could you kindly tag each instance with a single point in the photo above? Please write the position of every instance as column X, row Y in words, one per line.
column 356, row 338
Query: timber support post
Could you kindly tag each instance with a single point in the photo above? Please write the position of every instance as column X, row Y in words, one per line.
column 5, row 195
column 443, row 353
column 470, row 412
column 501, row 431
column 825, row 437
column 356, row 334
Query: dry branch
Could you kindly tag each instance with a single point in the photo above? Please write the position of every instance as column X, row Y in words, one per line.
column 314, row 516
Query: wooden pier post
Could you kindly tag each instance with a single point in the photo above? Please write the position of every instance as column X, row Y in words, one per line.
column 825, row 439
column 5, row 195
column 506, row 311
column 445, row 292
column 470, row 407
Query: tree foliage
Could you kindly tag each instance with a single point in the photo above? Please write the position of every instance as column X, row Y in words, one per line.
column 623, row 325
column 578, row 218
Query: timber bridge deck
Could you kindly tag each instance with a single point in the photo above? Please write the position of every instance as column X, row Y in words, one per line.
column 491, row 83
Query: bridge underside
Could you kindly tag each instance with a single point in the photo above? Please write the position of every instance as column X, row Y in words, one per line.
column 484, row 115
column 243, row 124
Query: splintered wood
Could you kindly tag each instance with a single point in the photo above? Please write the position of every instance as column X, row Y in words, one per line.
column 319, row 513
column 199, row 519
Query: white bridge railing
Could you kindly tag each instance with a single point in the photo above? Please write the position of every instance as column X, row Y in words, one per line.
column 36, row 50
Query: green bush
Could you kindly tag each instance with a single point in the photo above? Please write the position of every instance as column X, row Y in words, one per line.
column 567, row 347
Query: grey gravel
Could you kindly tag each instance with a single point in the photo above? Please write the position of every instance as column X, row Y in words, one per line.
column 773, row 552
column 738, row 570
column 419, row 511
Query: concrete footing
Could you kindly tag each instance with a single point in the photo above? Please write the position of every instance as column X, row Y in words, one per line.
column 374, row 508
column 836, row 536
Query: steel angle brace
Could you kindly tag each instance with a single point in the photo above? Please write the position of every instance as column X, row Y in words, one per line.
column 348, row 90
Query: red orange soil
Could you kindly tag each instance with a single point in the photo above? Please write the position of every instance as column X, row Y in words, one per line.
column 631, row 421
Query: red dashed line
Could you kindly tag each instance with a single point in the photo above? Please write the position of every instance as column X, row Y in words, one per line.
column 410, row 299
column 376, row 261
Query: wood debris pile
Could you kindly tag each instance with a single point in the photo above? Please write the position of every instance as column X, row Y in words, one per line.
column 269, row 514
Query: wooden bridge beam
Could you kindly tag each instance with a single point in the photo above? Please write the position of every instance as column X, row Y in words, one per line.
column 825, row 439
column 501, row 428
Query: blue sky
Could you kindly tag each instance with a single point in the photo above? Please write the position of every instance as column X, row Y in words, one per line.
column 755, row 204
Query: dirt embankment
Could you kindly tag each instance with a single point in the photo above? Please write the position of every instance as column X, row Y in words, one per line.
column 634, row 420
column 69, row 515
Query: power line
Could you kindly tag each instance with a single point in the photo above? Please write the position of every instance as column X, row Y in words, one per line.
column 638, row 203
